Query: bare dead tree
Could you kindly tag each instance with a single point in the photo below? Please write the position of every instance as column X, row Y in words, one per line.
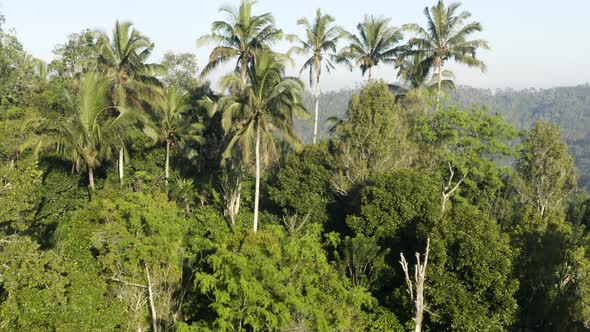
column 449, row 188
column 416, row 290
column 151, row 297
column 149, row 289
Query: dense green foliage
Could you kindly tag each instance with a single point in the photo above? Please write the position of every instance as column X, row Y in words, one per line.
column 128, row 189
column 569, row 107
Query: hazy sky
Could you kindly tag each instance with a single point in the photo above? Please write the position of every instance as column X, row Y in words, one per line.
column 535, row 43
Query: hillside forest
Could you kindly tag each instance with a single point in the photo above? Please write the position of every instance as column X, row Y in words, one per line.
column 137, row 196
column 569, row 107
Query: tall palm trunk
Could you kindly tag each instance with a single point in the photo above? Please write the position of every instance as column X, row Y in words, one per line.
column 121, row 165
column 235, row 204
column 244, row 69
column 122, row 103
column 370, row 72
column 91, row 178
column 317, row 109
column 257, row 190
column 167, row 165
column 439, row 86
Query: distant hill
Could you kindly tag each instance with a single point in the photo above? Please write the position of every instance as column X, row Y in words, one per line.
column 332, row 103
column 567, row 106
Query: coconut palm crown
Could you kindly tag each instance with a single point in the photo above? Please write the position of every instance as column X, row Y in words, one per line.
column 446, row 37
column 174, row 129
column 88, row 136
column 239, row 37
column 124, row 58
column 376, row 41
column 319, row 44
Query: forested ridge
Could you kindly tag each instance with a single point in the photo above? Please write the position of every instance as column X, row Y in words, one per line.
column 568, row 106
column 136, row 197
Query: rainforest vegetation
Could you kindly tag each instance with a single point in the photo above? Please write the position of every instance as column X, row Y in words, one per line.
column 569, row 107
column 135, row 196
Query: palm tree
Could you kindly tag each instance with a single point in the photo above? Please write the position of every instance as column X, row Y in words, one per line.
column 262, row 111
column 446, row 38
column 124, row 59
column 413, row 71
column 86, row 137
column 233, row 111
column 239, row 37
column 321, row 37
column 41, row 70
column 376, row 42
column 170, row 121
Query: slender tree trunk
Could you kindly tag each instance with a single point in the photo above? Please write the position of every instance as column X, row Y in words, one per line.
column 438, row 90
column 121, row 165
column 370, row 73
column 167, row 166
column 416, row 291
column 238, row 197
column 244, row 69
column 317, row 109
column 419, row 316
column 151, row 299
column 449, row 189
column 122, row 104
column 230, row 208
column 232, row 188
column 257, row 190
column 91, row 178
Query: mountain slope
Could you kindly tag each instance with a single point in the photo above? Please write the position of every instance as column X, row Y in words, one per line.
column 567, row 106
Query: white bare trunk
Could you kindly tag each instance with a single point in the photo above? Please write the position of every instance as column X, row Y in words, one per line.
column 233, row 190
column 257, row 190
column 439, row 87
column 167, row 166
column 416, row 290
column 121, row 165
column 449, row 188
column 151, row 299
column 91, row 178
column 229, row 208
column 317, row 110
column 236, row 206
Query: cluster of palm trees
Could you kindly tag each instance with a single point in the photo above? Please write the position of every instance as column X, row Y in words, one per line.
column 261, row 99
column 117, row 93
column 121, row 90
column 446, row 37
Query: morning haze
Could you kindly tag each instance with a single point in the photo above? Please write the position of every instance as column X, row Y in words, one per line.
column 523, row 34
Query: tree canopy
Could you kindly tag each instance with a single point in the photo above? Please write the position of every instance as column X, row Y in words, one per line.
column 398, row 209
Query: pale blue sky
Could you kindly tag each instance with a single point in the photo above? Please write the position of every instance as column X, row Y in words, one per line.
column 535, row 43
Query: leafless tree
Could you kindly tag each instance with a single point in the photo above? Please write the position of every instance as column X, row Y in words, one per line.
column 416, row 287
